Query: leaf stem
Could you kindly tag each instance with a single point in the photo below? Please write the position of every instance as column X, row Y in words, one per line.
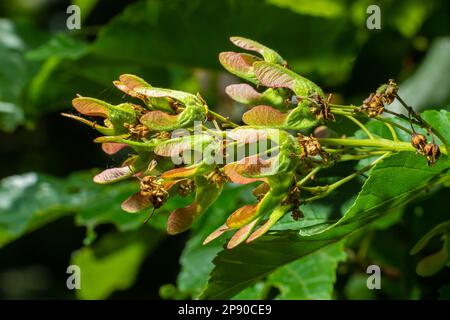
column 387, row 121
column 391, row 129
column 223, row 119
column 381, row 144
column 308, row 176
column 362, row 126
column 326, row 190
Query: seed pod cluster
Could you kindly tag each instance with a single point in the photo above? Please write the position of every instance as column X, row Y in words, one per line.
column 385, row 94
column 430, row 150
column 203, row 158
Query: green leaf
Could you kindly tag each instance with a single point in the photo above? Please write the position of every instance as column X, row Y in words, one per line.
column 145, row 33
column 440, row 122
column 319, row 8
column 16, row 71
column 392, row 183
column 432, row 264
column 442, row 228
column 61, row 46
column 11, row 116
column 311, row 277
column 31, row 200
column 113, row 262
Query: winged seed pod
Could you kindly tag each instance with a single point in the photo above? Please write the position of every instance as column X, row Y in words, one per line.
column 273, row 147
column 274, row 108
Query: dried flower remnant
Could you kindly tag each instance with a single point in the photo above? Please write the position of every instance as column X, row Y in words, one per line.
column 186, row 187
column 388, row 92
column 418, row 141
column 432, row 153
column 373, row 105
column 153, row 188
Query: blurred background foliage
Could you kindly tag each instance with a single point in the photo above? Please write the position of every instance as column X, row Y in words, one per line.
column 52, row 215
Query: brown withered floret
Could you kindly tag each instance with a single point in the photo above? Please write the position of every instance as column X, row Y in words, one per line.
column 185, row 187
column 432, row 152
column 373, row 105
column 388, row 91
column 218, row 177
column 139, row 109
column 293, row 198
column 321, row 107
column 418, row 141
column 153, row 188
column 163, row 135
column 311, row 147
column 137, row 130
column 297, row 214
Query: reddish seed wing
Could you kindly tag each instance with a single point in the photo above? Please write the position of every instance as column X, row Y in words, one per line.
column 268, row 54
column 242, row 234
column 249, row 135
column 113, row 175
column 174, row 147
column 133, row 82
column 216, row 233
column 181, row 219
column 135, row 203
column 112, row 148
column 230, row 171
column 239, row 64
column 91, row 107
column 247, row 44
column 180, row 173
column 253, row 166
column 243, row 93
column 159, row 121
column 274, row 76
column 276, row 215
column 261, row 189
column 264, row 116
column 242, row 216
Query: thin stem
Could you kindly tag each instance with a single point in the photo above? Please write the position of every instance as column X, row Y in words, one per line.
column 402, row 116
column 326, row 190
column 223, row 119
column 387, row 121
column 362, row 126
column 214, row 132
column 341, row 112
column 409, row 109
column 352, row 157
column 391, row 129
column 309, row 176
column 422, row 123
column 343, row 106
